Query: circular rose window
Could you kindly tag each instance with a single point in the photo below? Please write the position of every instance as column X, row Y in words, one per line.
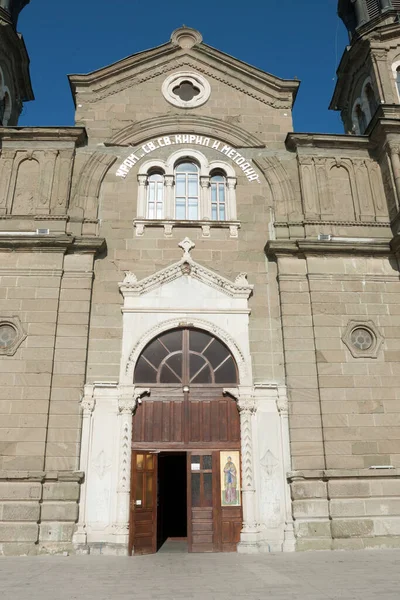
column 186, row 89
column 361, row 338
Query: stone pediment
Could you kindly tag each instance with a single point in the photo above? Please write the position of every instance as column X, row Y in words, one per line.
column 186, row 266
column 185, row 50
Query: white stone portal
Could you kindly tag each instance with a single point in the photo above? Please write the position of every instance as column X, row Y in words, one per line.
column 184, row 294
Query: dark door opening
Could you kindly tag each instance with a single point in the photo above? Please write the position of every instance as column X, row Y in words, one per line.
column 172, row 498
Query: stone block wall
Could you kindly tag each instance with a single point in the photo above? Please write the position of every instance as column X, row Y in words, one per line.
column 344, row 407
column 42, row 381
column 38, row 512
column 339, row 510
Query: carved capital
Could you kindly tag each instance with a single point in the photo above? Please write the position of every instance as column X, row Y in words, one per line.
column 142, row 180
column 282, row 402
column 87, row 405
column 169, row 180
column 393, row 148
column 247, row 405
column 231, row 183
column 305, row 160
column 128, row 400
column 205, row 181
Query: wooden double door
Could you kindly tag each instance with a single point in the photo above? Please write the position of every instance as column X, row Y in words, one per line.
column 180, row 495
column 186, row 445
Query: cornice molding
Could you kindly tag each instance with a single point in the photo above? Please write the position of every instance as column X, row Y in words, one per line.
column 237, row 75
column 331, row 141
column 280, row 247
column 52, row 243
column 75, row 135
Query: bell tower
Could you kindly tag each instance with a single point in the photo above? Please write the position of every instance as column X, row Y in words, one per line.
column 369, row 72
column 15, row 83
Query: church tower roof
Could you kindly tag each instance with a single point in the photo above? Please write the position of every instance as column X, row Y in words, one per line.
column 359, row 16
column 12, row 8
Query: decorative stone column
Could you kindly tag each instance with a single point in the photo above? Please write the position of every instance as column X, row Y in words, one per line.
column 205, row 199
column 169, row 204
column 128, row 399
column 282, row 402
column 394, row 151
column 249, row 535
column 87, row 405
column 141, row 198
column 231, row 187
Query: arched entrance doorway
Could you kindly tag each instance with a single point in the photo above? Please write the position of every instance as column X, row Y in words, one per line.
column 186, row 446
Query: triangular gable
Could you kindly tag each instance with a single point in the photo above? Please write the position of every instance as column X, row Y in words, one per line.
column 186, row 266
column 185, row 49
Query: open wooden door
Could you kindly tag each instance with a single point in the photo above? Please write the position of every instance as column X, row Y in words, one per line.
column 202, row 502
column 143, row 517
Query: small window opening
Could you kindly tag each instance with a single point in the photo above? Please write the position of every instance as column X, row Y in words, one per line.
column 155, row 196
column 186, row 91
column 361, row 118
column 218, row 196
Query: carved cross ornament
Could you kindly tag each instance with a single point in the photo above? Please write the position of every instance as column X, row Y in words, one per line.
column 187, row 245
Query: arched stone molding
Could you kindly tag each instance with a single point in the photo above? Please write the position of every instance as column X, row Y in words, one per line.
column 85, row 201
column 245, row 377
column 137, row 133
column 281, row 186
column 364, row 98
column 195, row 155
column 168, row 166
column 152, row 164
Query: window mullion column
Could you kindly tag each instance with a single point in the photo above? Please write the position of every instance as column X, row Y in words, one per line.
column 231, row 212
column 205, row 198
column 169, row 212
column 141, row 199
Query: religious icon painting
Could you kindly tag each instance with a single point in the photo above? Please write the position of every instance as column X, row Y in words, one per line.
column 230, row 478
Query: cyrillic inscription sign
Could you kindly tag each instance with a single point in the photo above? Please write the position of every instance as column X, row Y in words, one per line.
column 172, row 140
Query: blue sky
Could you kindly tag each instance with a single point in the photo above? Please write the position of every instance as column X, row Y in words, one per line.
column 285, row 37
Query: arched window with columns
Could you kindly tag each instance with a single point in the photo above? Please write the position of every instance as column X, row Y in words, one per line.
column 187, row 187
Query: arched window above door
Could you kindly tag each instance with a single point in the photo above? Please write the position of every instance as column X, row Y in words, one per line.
column 186, row 357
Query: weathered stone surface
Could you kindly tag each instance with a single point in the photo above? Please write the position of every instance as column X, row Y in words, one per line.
column 62, row 511
column 18, row 532
column 56, row 532
column 65, row 490
column 352, row 528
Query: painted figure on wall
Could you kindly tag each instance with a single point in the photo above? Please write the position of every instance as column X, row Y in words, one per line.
column 230, row 482
column 230, row 479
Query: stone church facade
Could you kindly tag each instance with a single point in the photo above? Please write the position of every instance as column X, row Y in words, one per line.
column 183, row 275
